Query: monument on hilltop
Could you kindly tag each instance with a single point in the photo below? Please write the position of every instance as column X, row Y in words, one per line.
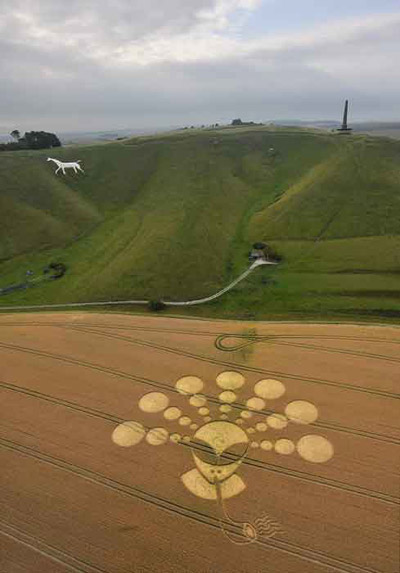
column 344, row 127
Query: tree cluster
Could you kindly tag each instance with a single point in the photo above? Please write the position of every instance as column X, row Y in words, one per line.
column 238, row 121
column 31, row 140
column 156, row 305
column 57, row 269
column 269, row 252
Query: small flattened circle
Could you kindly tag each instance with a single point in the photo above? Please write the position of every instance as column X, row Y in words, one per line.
column 230, row 380
column 255, row 403
column 175, row 438
column 246, row 414
column 204, row 411
column 301, row 412
column 315, row 449
column 172, row 413
column 207, row 419
column 186, row 439
column 153, row 402
column 185, row 421
column 225, row 408
column 194, row 426
column 277, row 421
column 254, row 445
column 197, row 400
column 269, row 389
column 224, row 417
column 284, row 447
column 266, row 445
column 239, row 422
column 228, row 396
column 189, row 385
column 157, row 436
column 250, row 431
column 261, row 427
column 128, row 434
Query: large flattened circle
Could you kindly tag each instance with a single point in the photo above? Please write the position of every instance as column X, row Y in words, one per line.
column 128, row 434
column 230, row 380
column 189, row 385
column 157, row 436
column 314, row 448
column 153, row 402
column 301, row 412
column 269, row 389
column 221, row 435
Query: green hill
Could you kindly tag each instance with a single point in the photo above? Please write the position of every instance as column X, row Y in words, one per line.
column 174, row 217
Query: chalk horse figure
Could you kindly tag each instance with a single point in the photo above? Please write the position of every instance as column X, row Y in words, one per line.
column 63, row 166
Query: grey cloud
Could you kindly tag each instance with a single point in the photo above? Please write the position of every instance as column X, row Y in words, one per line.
column 59, row 87
column 96, row 21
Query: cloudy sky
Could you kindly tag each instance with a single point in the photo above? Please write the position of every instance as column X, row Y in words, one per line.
column 112, row 64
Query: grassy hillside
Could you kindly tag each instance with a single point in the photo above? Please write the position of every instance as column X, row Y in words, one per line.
column 174, row 216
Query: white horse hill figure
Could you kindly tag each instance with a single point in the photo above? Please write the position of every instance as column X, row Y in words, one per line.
column 63, row 166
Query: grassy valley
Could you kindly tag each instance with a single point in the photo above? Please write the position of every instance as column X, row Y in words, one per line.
column 173, row 216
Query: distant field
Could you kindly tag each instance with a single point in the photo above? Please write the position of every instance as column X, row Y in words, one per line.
column 394, row 133
column 174, row 215
column 314, row 485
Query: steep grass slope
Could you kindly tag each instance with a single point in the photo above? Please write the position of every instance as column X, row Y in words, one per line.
column 39, row 209
column 355, row 193
column 174, row 216
column 36, row 210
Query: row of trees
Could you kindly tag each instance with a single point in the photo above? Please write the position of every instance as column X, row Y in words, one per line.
column 31, row 140
column 212, row 126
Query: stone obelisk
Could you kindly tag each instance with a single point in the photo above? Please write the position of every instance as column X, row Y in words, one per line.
column 344, row 128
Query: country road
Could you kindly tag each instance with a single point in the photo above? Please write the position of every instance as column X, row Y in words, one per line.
column 240, row 278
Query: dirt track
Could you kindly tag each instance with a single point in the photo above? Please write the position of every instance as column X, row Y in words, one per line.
column 72, row 500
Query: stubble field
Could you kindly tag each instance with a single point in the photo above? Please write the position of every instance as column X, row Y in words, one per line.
column 298, row 424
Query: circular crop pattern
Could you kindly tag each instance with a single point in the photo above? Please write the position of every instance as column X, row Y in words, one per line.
column 277, row 421
column 153, row 402
column 269, row 389
column 228, row 396
column 128, row 434
column 255, row 403
column 315, row 449
column 301, row 412
column 157, row 436
column 230, row 380
column 189, row 385
column 172, row 413
column 284, row 447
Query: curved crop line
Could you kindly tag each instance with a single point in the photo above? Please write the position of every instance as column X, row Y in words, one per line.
column 277, row 339
column 204, row 358
column 142, row 302
column 310, row 555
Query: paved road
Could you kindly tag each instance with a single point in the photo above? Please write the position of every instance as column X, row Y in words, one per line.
column 142, row 302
